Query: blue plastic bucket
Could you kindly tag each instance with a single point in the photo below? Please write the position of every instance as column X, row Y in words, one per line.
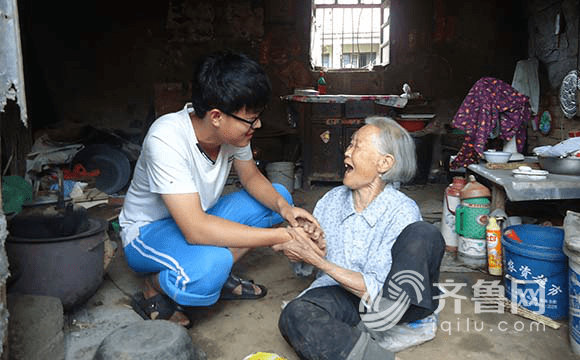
column 536, row 269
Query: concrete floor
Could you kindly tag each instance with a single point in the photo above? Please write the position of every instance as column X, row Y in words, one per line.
column 234, row 329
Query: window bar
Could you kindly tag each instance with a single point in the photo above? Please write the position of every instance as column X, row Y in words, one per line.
column 352, row 37
column 358, row 34
column 342, row 42
column 323, row 35
column 331, row 56
column 372, row 38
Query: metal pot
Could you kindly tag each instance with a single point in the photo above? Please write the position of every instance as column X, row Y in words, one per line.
column 49, row 222
column 67, row 267
column 564, row 166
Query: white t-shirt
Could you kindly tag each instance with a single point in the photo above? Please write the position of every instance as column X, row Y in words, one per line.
column 171, row 163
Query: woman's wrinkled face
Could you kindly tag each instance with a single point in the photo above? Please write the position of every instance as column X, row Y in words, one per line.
column 362, row 158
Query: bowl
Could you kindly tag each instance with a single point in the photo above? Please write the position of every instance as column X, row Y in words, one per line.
column 497, row 156
column 563, row 166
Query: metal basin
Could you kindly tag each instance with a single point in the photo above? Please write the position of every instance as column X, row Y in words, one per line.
column 564, row 166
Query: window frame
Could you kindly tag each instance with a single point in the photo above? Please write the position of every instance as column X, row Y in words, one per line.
column 384, row 45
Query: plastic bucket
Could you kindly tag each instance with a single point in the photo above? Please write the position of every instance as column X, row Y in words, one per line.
column 574, row 298
column 536, row 269
column 282, row 173
column 572, row 249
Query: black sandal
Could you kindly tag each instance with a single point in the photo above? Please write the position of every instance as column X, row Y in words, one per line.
column 248, row 292
column 158, row 307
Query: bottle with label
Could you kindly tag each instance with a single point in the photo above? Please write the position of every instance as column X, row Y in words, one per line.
column 494, row 253
column 321, row 84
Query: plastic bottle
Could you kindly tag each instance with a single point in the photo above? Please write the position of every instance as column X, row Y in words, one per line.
column 450, row 202
column 494, row 256
column 321, row 84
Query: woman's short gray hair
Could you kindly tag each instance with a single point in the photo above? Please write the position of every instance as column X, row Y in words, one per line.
column 393, row 139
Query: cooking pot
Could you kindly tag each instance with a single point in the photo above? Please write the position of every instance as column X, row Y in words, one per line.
column 68, row 267
column 49, row 222
column 557, row 165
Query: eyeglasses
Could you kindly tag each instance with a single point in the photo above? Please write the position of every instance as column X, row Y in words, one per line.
column 250, row 122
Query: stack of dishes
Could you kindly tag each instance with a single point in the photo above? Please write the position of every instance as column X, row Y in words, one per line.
column 526, row 172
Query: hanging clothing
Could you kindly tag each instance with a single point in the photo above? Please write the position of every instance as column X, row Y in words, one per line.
column 527, row 82
column 491, row 103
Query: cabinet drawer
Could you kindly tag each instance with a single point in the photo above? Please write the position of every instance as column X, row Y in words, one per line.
column 324, row 110
column 359, row 109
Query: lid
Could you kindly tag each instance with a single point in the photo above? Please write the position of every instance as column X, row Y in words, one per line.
column 459, row 180
column 473, row 189
column 454, row 189
column 492, row 223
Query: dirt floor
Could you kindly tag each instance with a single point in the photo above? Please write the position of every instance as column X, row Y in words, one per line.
column 234, row 329
column 231, row 330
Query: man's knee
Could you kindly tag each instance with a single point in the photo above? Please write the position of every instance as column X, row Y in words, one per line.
column 281, row 189
column 205, row 276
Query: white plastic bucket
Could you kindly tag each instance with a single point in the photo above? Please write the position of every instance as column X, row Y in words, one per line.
column 572, row 250
column 282, row 173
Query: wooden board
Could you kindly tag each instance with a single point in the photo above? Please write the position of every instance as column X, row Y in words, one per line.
column 511, row 165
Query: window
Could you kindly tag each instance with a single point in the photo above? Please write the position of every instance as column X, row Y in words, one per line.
column 350, row 34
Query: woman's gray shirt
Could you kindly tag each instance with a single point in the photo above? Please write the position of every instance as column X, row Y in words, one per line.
column 362, row 241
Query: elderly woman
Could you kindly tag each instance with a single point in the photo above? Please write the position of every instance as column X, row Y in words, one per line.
column 375, row 240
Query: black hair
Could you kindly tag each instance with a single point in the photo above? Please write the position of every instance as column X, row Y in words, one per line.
column 229, row 81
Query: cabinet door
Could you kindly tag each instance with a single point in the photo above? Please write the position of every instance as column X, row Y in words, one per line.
column 325, row 150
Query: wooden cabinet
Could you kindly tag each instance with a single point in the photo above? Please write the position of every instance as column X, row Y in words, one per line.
column 323, row 148
column 326, row 130
column 326, row 124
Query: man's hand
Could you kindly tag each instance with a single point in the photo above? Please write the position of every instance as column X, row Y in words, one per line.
column 298, row 217
column 300, row 248
column 293, row 214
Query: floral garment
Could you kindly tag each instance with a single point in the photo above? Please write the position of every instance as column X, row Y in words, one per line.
column 488, row 102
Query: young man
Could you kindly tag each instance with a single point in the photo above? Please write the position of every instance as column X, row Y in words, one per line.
column 175, row 226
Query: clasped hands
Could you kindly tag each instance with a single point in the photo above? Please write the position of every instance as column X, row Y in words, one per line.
column 308, row 243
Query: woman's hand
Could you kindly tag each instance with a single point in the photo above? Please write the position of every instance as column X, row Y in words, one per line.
column 298, row 217
column 300, row 248
column 314, row 232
